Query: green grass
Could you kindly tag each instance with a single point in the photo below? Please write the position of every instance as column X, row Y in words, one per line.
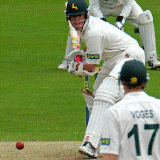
column 38, row 101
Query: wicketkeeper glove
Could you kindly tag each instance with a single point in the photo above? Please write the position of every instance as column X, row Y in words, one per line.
column 120, row 22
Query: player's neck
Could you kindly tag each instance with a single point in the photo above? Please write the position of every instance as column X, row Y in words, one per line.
column 132, row 89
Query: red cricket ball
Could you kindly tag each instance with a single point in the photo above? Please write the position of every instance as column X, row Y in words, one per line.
column 20, row 145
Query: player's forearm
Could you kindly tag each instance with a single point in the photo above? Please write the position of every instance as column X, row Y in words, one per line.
column 95, row 46
column 127, row 7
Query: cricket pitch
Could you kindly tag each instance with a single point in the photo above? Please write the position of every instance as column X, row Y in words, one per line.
column 50, row 150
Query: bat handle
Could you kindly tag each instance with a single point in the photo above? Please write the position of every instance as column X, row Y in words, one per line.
column 78, row 58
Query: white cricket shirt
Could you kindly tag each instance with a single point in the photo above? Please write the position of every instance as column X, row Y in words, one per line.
column 103, row 40
column 100, row 8
column 132, row 128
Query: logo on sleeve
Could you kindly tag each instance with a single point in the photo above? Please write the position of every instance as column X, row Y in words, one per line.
column 106, row 141
column 93, row 56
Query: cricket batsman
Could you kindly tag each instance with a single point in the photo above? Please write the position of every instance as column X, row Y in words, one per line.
column 110, row 44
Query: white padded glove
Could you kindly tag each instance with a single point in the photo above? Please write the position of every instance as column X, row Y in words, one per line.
column 73, row 53
column 73, row 63
column 120, row 22
column 80, row 72
column 72, row 66
column 119, row 25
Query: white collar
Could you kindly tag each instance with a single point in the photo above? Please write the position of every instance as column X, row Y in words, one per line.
column 130, row 95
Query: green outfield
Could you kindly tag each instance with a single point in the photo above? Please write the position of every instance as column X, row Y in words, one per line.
column 38, row 101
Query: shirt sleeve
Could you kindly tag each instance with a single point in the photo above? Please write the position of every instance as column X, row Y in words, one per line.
column 127, row 7
column 95, row 8
column 95, row 47
column 110, row 135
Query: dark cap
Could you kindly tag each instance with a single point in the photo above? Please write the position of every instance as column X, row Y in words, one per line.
column 133, row 73
column 76, row 7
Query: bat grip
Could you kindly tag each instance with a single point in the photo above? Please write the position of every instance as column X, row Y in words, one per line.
column 78, row 58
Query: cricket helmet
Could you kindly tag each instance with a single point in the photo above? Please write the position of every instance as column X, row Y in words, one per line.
column 133, row 73
column 76, row 7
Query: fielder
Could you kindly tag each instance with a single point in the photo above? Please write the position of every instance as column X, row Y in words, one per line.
column 132, row 126
column 129, row 10
column 104, row 42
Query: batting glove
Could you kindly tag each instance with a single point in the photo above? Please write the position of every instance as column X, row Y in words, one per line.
column 80, row 72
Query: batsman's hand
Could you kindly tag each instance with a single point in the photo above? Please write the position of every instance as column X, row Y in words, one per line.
column 77, row 66
column 79, row 76
column 85, row 69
